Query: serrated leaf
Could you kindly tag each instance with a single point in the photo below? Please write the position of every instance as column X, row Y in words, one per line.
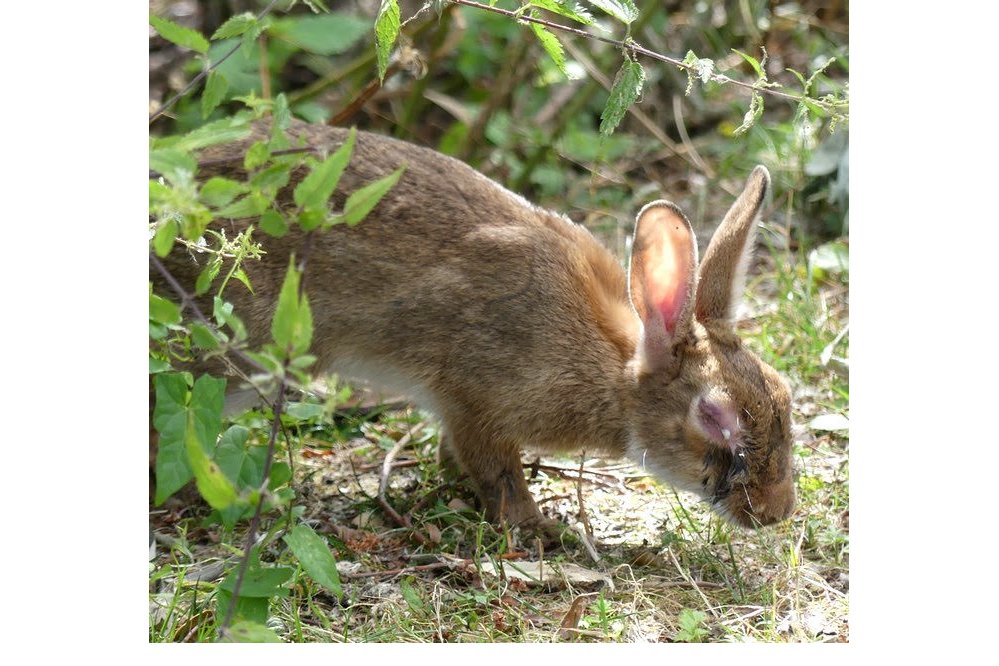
column 215, row 89
column 386, row 32
column 243, row 279
column 315, row 190
column 166, row 234
column 562, row 8
column 206, row 276
column 315, row 557
column 281, row 112
column 252, row 205
column 163, row 311
column 551, row 45
column 170, row 162
column 291, row 326
column 626, row 89
column 218, row 192
column 203, row 337
column 179, row 35
column 225, row 130
column 272, row 178
column 623, row 10
column 257, row 155
column 251, row 632
column 235, row 26
column 273, row 223
column 363, row 200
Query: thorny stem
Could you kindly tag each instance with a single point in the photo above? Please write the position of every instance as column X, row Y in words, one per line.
column 635, row 48
column 206, row 71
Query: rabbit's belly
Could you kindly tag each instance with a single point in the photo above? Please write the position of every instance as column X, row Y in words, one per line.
column 386, row 378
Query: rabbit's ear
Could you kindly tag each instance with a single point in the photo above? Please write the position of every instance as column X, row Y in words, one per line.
column 662, row 280
column 723, row 271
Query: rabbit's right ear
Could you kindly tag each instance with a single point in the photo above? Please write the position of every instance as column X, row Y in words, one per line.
column 662, row 281
column 723, row 271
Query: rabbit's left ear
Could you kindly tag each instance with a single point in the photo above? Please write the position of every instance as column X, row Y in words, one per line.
column 662, row 280
column 723, row 271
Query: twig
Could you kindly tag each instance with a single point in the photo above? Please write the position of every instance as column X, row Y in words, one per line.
column 579, row 496
column 402, row 521
column 636, row 48
column 403, row 570
column 255, row 520
column 203, row 73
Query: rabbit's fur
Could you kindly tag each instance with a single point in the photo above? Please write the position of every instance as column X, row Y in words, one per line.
column 518, row 329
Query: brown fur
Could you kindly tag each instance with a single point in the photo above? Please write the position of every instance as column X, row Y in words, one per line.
column 515, row 327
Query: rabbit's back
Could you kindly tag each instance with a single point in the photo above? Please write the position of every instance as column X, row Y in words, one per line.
column 460, row 293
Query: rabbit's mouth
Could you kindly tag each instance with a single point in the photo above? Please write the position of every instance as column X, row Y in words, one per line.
column 751, row 507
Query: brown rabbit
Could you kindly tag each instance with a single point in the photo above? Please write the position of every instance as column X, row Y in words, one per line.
column 518, row 329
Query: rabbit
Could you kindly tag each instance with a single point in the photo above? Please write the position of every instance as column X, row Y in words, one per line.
column 519, row 330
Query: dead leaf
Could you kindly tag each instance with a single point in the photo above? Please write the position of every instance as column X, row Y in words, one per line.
column 575, row 613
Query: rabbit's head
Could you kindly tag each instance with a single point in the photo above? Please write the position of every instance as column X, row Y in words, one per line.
column 708, row 415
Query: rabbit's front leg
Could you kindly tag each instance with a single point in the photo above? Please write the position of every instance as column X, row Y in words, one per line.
column 494, row 467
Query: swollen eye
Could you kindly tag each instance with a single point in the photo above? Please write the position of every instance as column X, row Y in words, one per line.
column 719, row 422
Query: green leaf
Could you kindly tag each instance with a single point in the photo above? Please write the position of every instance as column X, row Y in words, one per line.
column 273, row 178
column 242, row 464
column 412, row 596
column 273, row 223
column 252, row 205
column 692, row 628
column 215, row 89
column 179, row 35
column 362, row 201
column 291, row 327
column 561, row 7
column 163, row 311
column 251, row 632
column 218, row 192
column 754, row 113
column 326, row 35
column 315, row 557
column 206, row 276
column 304, row 411
column 170, row 162
column 386, row 32
column 166, row 234
column 754, row 63
column 316, row 189
column 257, row 155
column 157, row 365
column 213, row 485
column 203, row 337
column 623, row 10
column 551, row 45
column 235, row 26
column 626, row 89
column 281, row 112
column 225, row 130
column 170, row 421
column 264, row 582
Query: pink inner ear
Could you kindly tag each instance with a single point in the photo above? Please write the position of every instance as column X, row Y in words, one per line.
column 669, row 266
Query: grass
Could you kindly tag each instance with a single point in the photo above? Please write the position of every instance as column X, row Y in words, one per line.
column 676, row 572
